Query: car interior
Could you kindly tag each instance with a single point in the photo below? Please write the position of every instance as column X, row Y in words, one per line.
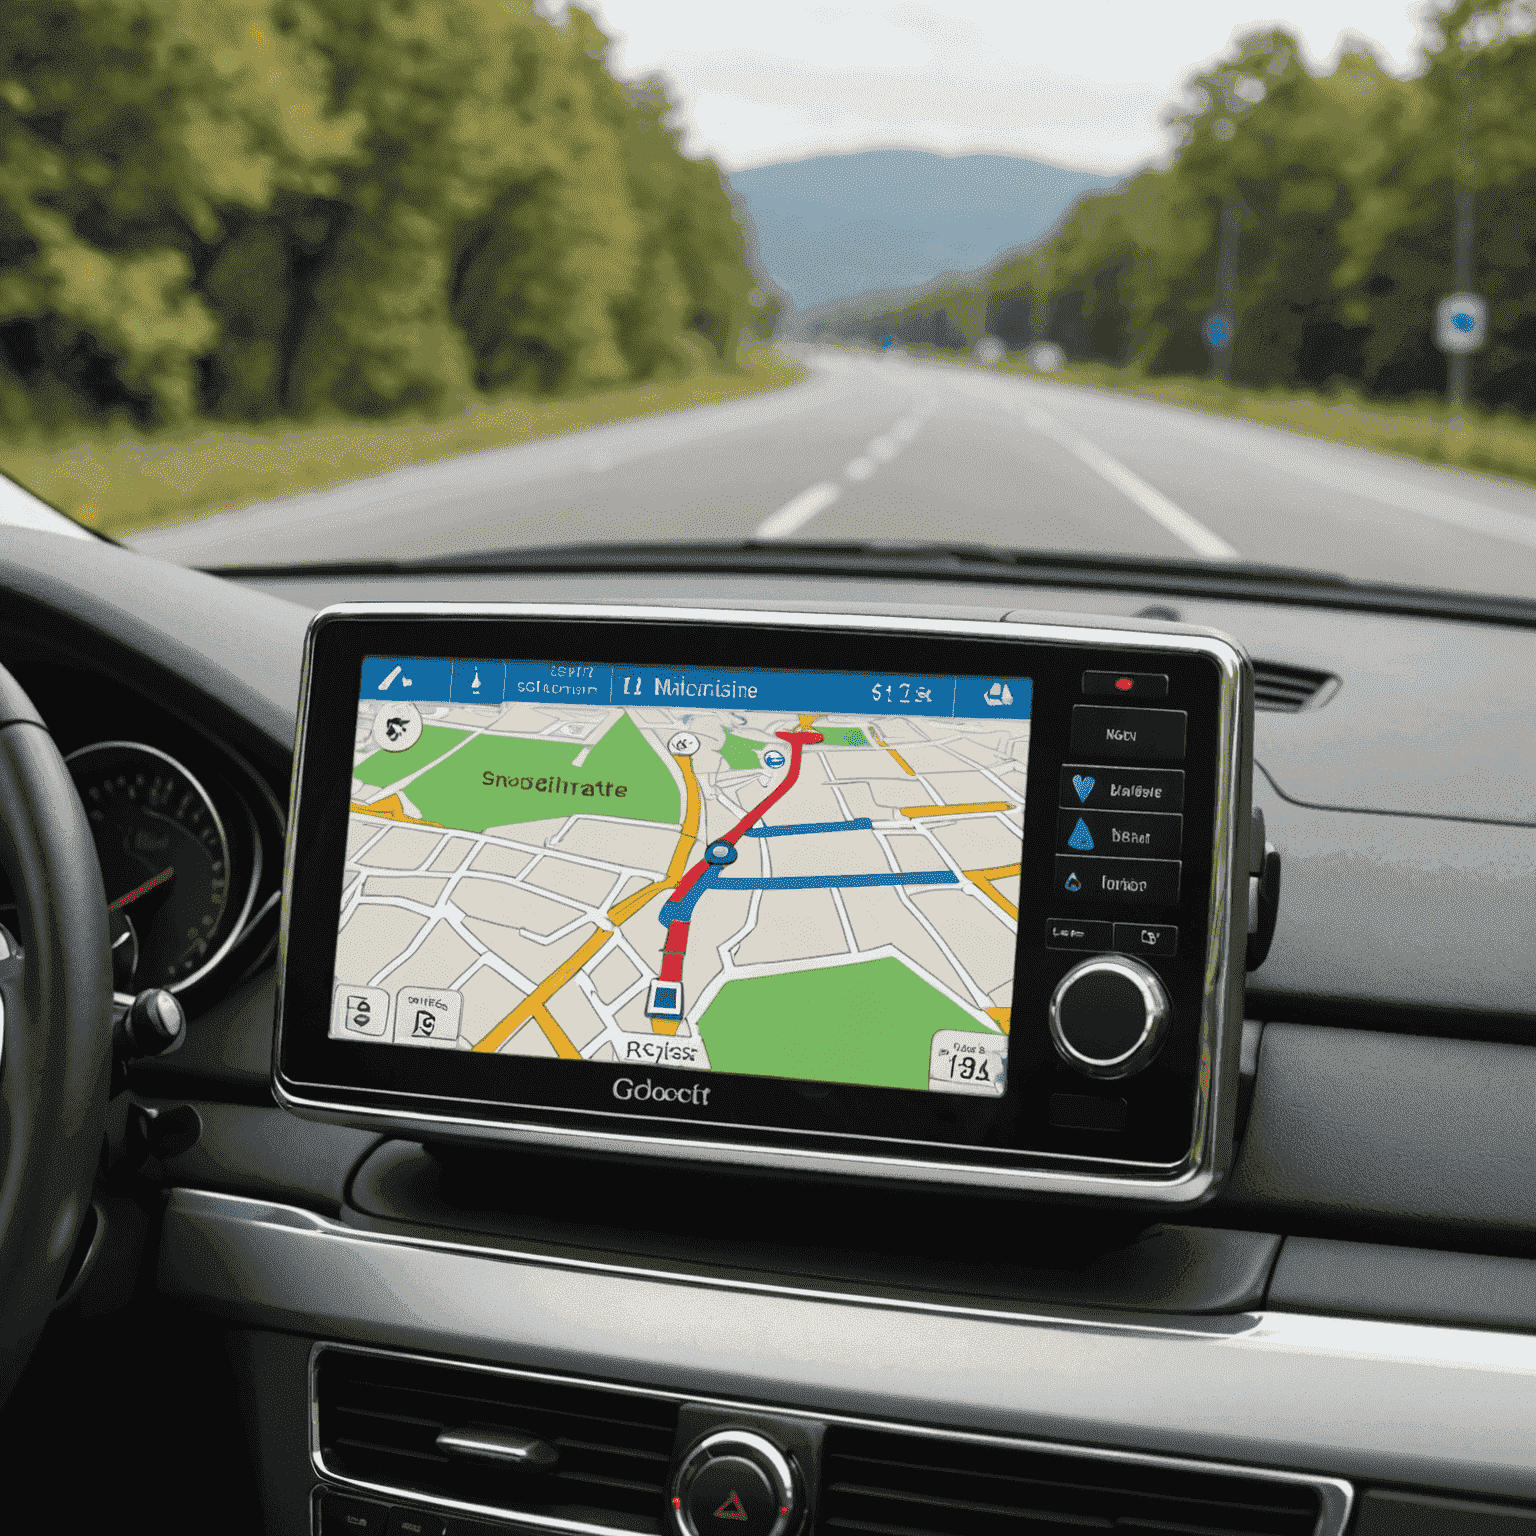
column 1264, row 1264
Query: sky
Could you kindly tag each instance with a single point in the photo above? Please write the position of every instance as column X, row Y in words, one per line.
column 1081, row 83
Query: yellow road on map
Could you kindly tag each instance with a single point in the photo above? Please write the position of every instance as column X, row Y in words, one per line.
column 956, row 810
column 1000, row 1017
column 390, row 809
column 905, row 766
column 534, row 1006
column 688, row 835
column 982, row 879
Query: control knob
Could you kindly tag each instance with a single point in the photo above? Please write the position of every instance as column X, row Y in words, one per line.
column 1109, row 1016
column 736, row 1482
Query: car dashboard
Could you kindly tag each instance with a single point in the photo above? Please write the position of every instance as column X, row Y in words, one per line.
column 445, row 1338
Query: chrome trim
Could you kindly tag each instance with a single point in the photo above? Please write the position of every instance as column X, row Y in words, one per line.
column 1335, row 1494
column 239, row 924
column 1193, row 1178
column 1155, row 1015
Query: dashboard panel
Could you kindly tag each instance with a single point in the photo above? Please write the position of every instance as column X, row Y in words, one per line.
column 1356, row 1307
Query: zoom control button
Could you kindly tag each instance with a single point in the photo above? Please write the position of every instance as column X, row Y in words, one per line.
column 1108, row 1016
column 1146, row 938
column 1129, row 735
column 1118, row 882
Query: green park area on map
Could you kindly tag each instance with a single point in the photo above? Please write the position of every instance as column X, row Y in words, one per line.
column 871, row 1023
column 388, row 767
column 455, row 794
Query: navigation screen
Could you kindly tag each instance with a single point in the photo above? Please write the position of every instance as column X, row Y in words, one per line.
column 791, row 874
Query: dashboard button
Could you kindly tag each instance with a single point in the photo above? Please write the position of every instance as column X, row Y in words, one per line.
column 1125, row 834
column 1147, row 938
column 1127, row 685
column 1100, row 786
column 351, row 1517
column 1129, row 735
column 1108, row 1016
column 731, row 1493
column 1121, row 882
column 1064, row 933
column 412, row 1522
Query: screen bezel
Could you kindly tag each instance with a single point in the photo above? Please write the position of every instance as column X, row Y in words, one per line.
column 509, row 1096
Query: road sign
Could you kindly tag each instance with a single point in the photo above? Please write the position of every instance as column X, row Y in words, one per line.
column 1461, row 323
column 1217, row 330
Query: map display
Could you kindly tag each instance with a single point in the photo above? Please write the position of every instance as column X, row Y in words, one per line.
column 791, row 874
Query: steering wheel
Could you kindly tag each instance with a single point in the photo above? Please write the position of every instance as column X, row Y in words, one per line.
column 55, row 1028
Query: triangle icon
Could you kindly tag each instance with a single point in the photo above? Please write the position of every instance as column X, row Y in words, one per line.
column 732, row 1508
column 1082, row 838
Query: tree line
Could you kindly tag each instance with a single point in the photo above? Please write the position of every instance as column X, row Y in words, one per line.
column 244, row 209
column 1344, row 185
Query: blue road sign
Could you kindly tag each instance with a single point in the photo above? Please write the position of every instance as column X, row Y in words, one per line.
column 1217, row 331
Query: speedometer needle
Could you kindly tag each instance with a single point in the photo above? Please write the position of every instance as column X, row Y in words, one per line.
column 142, row 890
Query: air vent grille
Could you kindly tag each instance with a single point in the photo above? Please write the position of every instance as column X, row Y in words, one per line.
column 379, row 1418
column 883, row 1483
column 1291, row 689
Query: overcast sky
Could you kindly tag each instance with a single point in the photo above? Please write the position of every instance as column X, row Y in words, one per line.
column 1082, row 83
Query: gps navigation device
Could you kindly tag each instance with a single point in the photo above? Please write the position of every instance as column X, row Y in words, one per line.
column 857, row 895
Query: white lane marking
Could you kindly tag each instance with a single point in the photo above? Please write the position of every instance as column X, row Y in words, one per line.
column 794, row 515
column 1176, row 520
column 1371, row 485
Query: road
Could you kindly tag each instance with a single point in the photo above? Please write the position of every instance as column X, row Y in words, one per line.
column 892, row 448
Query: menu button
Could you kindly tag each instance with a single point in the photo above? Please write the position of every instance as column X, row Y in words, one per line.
column 1129, row 735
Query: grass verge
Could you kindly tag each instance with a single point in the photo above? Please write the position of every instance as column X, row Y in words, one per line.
column 1502, row 444
column 124, row 481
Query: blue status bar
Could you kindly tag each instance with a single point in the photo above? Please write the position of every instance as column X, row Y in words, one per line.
column 549, row 682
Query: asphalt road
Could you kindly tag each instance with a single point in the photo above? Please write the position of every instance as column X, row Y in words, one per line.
column 896, row 449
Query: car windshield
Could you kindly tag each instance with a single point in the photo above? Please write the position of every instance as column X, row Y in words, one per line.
column 297, row 281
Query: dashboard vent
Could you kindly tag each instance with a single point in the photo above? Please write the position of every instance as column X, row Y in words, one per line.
column 883, row 1483
column 379, row 1416
column 1291, row 689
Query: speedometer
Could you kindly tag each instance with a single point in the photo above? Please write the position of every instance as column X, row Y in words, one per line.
column 165, row 860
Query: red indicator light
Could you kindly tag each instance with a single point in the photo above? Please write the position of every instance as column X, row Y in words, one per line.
column 677, row 1503
column 1124, row 684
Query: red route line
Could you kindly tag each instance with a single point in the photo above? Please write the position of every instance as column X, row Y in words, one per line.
column 677, row 932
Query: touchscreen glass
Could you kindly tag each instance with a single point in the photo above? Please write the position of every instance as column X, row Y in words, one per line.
column 796, row 874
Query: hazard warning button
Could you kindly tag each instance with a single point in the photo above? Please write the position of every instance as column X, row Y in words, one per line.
column 730, row 1496
column 736, row 1482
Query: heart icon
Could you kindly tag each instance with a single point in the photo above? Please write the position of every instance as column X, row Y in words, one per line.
column 1083, row 785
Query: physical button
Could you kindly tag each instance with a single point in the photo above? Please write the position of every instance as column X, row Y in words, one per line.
column 1127, row 685
column 1129, row 735
column 412, row 1522
column 1125, row 882
column 1064, row 933
column 730, row 1496
column 352, row 1517
column 1128, row 834
column 1102, row 787
column 1147, row 938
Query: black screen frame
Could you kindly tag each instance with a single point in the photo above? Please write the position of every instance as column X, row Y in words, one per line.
column 1169, row 1125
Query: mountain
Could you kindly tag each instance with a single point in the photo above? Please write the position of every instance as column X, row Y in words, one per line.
column 835, row 226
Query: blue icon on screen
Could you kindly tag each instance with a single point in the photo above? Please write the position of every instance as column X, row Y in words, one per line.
column 1083, row 785
column 1073, row 883
column 774, row 759
column 1082, row 838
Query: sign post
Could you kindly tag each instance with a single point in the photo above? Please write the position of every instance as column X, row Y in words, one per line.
column 1461, row 328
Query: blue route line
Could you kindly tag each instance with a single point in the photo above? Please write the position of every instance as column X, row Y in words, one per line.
column 712, row 880
column 820, row 882
column 858, row 824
